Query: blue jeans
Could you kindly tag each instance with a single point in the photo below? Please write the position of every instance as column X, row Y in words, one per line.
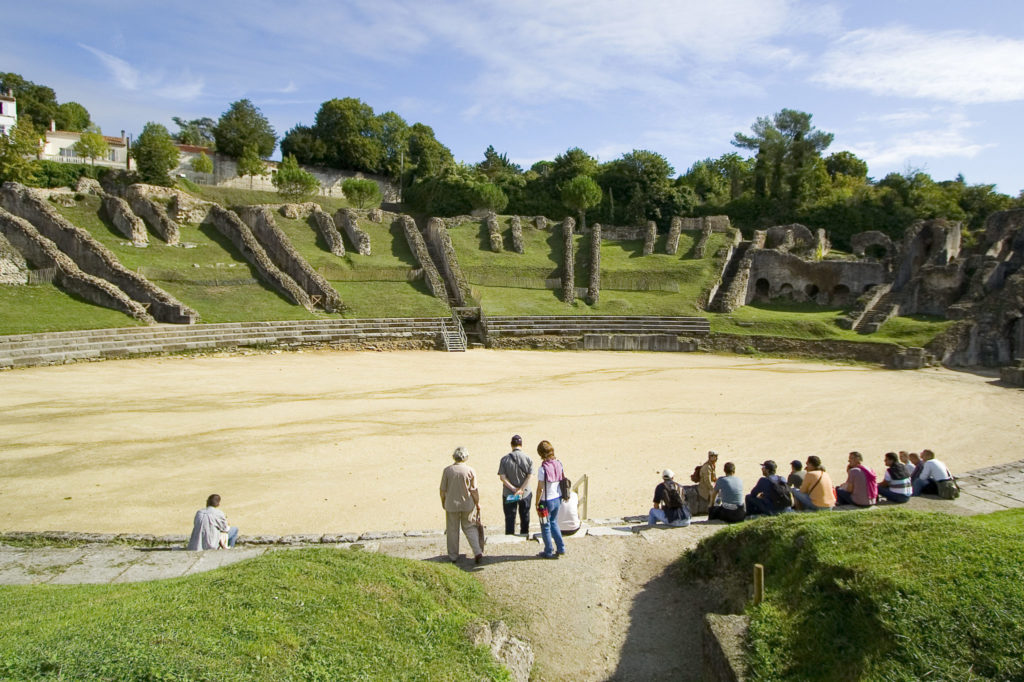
column 232, row 535
column 891, row 496
column 805, row 500
column 550, row 529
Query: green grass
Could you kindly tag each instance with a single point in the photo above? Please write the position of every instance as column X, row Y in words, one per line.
column 894, row 595
column 389, row 299
column 45, row 308
column 238, row 196
column 313, row 614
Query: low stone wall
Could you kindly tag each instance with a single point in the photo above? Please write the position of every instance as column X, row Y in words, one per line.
column 419, row 249
column 493, row 233
column 701, row 249
column 347, row 219
column 672, row 244
column 127, row 223
column 328, row 231
column 91, row 256
column 517, row 234
column 154, row 214
column 13, row 267
column 238, row 233
column 43, row 253
column 569, row 262
column 448, row 261
column 594, row 283
column 535, row 342
column 646, row 342
column 1013, row 375
column 650, row 236
column 830, row 349
column 277, row 245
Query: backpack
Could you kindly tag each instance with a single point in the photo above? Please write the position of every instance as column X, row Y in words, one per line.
column 674, row 495
column 948, row 489
column 565, row 487
column 695, row 476
column 778, row 494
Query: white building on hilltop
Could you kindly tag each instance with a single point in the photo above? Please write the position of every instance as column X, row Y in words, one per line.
column 60, row 146
column 8, row 112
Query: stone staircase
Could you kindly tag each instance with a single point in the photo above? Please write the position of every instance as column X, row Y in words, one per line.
column 579, row 325
column 718, row 302
column 886, row 307
column 23, row 350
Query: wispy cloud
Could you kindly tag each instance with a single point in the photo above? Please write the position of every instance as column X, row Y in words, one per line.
column 916, row 136
column 952, row 66
column 124, row 73
column 185, row 88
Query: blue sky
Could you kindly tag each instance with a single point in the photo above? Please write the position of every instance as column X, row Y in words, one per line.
column 903, row 84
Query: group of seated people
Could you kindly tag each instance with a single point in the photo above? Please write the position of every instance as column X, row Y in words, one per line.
column 808, row 487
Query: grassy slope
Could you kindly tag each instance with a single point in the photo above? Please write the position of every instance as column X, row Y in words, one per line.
column 897, row 595
column 316, row 614
column 45, row 308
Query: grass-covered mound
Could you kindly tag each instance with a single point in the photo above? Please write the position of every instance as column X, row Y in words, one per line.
column 314, row 614
column 893, row 595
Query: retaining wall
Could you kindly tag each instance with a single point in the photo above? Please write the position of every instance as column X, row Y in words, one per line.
column 328, row 231
column 419, row 249
column 448, row 261
column 153, row 213
column 347, row 219
column 127, row 223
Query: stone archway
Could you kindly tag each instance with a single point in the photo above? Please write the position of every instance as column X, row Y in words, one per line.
column 786, row 291
column 762, row 289
column 841, row 295
column 811, row 291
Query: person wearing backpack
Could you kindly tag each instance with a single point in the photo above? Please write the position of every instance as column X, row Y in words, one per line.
column 861, row 486
column 549, row 500
column 770, row 494
column 669, row 503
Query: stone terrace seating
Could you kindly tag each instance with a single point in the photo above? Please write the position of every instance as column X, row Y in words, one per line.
column 22, row 350
column 579, row 325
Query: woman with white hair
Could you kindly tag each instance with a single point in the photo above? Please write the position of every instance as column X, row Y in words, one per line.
column 460, row 498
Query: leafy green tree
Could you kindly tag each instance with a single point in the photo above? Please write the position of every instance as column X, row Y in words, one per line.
column 394, row 138
column 91, row 144
column 846, row 163
column 488, row 195
column 198, row 132
column 427, row 156
column 16, row 151
column 351, row 135
column 303, row 143
column 202, row 163
column 581, row 193
column 72, row 116
column 251, row 164
column 37, row 103
column 244, row 125
column 362, row 192
column 293, row 183
column 155, row 154
column 640, row 185
column 571, row 164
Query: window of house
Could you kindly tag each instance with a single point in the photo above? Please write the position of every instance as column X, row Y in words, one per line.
column 112, row 155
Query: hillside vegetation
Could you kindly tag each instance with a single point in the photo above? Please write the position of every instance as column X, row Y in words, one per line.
column 868, row 596
column 311, row 614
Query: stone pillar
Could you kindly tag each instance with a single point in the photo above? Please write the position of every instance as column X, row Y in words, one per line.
column 569, row 262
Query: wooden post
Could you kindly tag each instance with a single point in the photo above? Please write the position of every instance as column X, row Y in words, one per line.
column 758, row 584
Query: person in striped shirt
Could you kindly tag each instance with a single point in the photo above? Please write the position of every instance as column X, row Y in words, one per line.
column 896, row 487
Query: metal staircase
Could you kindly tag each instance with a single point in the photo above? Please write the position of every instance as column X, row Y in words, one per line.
column 453, row 334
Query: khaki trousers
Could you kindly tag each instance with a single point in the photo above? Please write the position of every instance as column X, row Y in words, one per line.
column 455, row 520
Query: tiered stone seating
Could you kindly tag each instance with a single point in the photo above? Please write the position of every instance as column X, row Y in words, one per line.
column 579, row 325
column 21, row 350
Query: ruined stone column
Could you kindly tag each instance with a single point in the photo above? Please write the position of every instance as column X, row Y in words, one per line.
column 569, row 263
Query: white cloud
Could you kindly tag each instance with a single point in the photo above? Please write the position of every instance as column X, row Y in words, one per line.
column 124, row 73
column 186, row 88
column 916, row 136
column 954, row 66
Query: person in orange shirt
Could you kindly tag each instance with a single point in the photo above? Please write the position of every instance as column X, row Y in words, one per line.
column 816, row 492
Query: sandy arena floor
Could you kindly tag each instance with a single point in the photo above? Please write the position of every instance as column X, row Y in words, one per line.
column 347, row 442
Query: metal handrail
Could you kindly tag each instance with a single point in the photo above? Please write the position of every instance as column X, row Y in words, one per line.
column 462, row 331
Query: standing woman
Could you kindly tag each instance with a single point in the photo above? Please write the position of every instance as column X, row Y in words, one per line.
column 549, row 497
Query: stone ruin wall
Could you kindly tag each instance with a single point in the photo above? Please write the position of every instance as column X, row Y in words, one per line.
column 594, row 284
column 348, row 220
column 650, row 236
column 674, row 230
column 775, row 274
column 516, row 227
column 19, row 234
column 328, row 231
column 13, row 267
column 568, row 262
column 493, row 233
column 435, row 283
column 91, row 256
column 154, row 214
column 127, row 223
column 280, row 250
column 457, row 284
column 238, row 233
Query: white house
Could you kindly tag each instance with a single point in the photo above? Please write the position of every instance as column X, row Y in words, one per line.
column 60, row 146
column 8, row 112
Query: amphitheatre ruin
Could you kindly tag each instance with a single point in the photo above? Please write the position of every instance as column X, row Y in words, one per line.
column 339, row 438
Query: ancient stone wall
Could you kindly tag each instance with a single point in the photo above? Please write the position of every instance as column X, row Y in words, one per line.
column 795, row 238
column 277, row 245
column 722, row 260
column 127, row 223
column 517, row 234
column 831, row 349
column 154, row 214
column 43, row 253
column 701, row 249
column 328, row 231
column 493, row 233
column 864, row 303
column 238, row 233
column 774, row 274
column 91, row 256
column 435, row 283
column 298, row 211
column 569, row 262
column 594, row 284
column 650, row 236
column 623, row 233
column 672, row 244
column 931, row 242
column 861, row 241
column 13, row 267
column 348, row 220
column 447, row 261
column 540, row 222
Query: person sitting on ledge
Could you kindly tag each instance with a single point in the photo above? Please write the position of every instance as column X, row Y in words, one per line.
column 817, row 492
column 896, row 487
column 765, row 498
column 210, row 528
column 729, row 491
column 569, row 515
column 796, row 474
column 669, row 503
column 861, row 485
column 932, row 472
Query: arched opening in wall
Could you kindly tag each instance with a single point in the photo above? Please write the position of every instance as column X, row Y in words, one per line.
column 761, row 289
column 786, row 291
column 841, row 296
column 812, row 291
column 876, row 251
column 867, row 288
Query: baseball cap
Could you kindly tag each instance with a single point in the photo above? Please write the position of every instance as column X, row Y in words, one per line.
column 667, row 473
column 769, row 464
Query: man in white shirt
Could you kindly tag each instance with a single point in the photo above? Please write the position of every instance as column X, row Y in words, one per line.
column 932, row 472
column 209, row 527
